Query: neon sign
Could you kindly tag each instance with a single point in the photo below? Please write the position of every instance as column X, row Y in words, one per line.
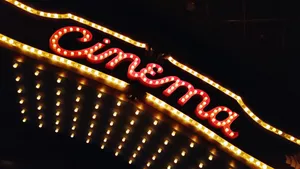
column 141, row 76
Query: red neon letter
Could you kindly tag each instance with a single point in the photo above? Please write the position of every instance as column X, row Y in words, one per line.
column 86, row 37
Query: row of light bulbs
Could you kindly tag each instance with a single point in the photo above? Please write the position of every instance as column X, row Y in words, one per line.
column 109, row 128
column 39, row 98
column 93, row 121
column 159, row 150
column 238, row 99
column 77, row 19
column 20, row 91
column 78, row 100
column 58, row 104
column 126, row 134
column 144, row 140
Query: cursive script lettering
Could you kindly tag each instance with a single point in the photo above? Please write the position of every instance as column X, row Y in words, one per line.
column 151, row 69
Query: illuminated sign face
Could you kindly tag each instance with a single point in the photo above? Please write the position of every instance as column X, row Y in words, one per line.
column 255, row 137
column 143, row 76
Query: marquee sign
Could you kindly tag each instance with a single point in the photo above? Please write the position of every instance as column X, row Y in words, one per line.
column 95, row 57
column 141, row 76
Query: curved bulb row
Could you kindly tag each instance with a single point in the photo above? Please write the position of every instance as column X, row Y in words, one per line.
column 93, row 122
column 160, row 150
column 65, row 63
column 126, row 134
column 91, row 128
column 20, row 91
column 78, row 19
column 238, row 99
column 58, row 105
column 144, row 140
column 109, row 129
column 186, row 120
column 38, row 99
column 78, row 100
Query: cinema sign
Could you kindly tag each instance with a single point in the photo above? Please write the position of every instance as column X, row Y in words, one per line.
column 173, row 82
column 104, row 55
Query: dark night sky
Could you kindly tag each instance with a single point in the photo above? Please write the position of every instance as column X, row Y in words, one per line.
column 255, row 57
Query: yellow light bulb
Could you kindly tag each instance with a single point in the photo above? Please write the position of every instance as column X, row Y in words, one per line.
column 24, row 120
column 15, row 65
column 36, row 73
column 175, row 160
column 201, row 165
column 119, row 103
column 173, row 133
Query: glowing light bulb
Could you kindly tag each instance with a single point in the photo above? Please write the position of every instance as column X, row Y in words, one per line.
column 21, row 101
column 119, row 103
column 39, row 97
column 201, row 165
column 36, row 73
column 173, row 133
column 132, row 122
column 15, row 65
column 18, row 78
column 175, row 160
